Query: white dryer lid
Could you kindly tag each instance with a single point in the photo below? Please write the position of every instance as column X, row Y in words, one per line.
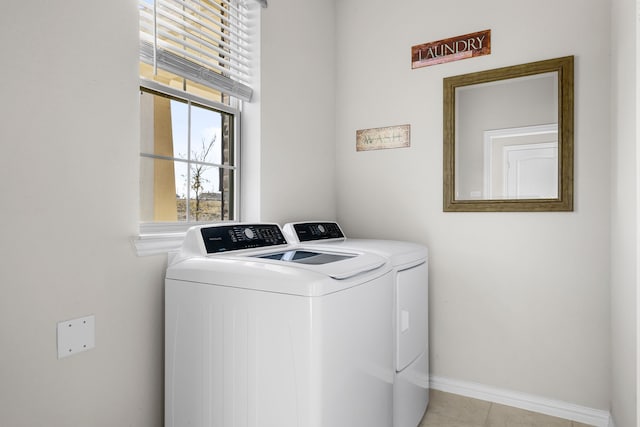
column 329, row 235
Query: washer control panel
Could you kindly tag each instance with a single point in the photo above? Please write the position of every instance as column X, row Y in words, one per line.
column 310, row 231
column 234, row 237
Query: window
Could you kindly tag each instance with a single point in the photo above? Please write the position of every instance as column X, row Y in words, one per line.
column 194, row 70
column 188, row 159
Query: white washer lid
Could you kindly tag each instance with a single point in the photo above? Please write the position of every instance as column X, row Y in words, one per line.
column 248, row 271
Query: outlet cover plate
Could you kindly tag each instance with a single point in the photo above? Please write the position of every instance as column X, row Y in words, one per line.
column 77, row 335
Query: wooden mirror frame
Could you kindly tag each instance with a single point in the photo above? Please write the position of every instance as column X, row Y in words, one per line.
column 564, row 202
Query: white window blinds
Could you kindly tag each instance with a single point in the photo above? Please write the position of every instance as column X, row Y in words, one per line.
column 205, row 41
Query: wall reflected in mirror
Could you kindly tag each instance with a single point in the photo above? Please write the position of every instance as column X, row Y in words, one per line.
column 508, row 138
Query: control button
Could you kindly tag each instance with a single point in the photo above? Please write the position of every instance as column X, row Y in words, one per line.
column 249, row 233
column 321, row 228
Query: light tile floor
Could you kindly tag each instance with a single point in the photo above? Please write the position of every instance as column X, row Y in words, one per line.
column 452, row 410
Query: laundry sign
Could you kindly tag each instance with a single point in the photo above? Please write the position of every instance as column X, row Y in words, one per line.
column 452, row 49
column 383, row 138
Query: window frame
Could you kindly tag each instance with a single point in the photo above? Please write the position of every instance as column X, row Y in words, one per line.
column 162, row 237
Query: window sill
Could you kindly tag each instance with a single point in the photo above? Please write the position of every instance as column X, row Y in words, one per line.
column 155, row 244
column 159, row 238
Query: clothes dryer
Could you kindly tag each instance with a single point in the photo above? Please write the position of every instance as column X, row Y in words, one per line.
column 411, row 294
column 261, row 333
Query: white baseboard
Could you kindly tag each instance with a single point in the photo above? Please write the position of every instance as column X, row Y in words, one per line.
column 556, row 408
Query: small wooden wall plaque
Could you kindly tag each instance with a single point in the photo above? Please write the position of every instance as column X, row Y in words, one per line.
column 382, row 138
column 452, row 49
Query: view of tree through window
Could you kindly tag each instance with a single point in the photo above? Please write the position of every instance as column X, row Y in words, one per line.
column 187, row 161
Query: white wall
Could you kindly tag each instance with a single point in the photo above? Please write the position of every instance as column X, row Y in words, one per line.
column 624, row 221
column 69, row 185
column 297, row 102
column 518, row 301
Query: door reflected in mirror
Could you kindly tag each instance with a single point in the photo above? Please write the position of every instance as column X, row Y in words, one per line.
column 519, row 163
column 508, row 138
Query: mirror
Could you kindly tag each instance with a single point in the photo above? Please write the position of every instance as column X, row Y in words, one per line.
column 508, row 138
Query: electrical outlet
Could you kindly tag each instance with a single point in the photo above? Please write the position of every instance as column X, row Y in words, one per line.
column 77, row 335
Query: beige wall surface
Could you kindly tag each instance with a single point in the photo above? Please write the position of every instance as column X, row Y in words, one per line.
column 518, row 301
column 624, row 220
column 69, row 182
column 297, row 111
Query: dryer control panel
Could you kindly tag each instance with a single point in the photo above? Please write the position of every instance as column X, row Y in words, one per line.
column 234, row 237
column 310, row 231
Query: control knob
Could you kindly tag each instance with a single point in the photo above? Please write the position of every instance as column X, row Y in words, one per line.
column 249, row 234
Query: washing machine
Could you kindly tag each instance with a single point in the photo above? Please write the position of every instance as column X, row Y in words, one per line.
column 411, row 294
column 262, row 333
